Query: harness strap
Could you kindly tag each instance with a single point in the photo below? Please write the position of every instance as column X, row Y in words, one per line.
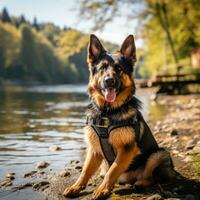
column 105, row 146
column 103, row 126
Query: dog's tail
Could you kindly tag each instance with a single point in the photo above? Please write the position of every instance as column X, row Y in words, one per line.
column 160, row 165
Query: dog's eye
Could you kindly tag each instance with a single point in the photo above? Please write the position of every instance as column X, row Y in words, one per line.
column 103, row 67
column 118, row 68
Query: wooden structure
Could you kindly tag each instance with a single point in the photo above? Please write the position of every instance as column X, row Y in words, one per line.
column 171, row 83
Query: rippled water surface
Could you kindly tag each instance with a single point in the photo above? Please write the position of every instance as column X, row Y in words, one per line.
column 34, row 118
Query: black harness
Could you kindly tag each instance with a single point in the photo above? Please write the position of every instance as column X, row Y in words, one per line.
column 103, row 125
column 101, row 122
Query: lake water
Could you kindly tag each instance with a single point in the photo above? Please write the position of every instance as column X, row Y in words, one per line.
column 36, row 117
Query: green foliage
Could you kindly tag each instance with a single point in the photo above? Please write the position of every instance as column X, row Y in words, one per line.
column 42, row 52
column 5, row 16
column 183, row 26
column 196, row 160
column 170, row 28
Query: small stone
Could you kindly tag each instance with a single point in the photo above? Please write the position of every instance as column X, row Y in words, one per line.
column 29, row 174
column 190, row 144
column 198, row 144
column 10, row 176
column 64, row 173
column 42, row 164
column 5, row 183
column 174, row 132
column 54, row 148
column 37, row 186
column 188, row 159
column 154, row 197
column 175, row 152
column 41, row 172
column 90, row 184
column 196, row 150
column 78, row 167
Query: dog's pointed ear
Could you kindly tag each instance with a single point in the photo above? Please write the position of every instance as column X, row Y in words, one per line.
column 95, row 49
column 128, row 49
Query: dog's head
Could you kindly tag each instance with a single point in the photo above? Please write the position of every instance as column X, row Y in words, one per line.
column 111, row 75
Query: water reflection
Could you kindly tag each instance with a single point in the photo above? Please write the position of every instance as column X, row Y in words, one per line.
column 34, row 118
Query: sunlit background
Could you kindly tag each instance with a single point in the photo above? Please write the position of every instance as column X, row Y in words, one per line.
column 44, row 74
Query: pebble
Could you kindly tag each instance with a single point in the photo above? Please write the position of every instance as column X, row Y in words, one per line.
column 175, row 152
column 10, row 176
column 78, row 167
column 64, row 173
column 90, row 184
column 42, row 164
column 74, row 161
column 5, row 183
column 188, row 159
column 41, row 172
column 174, row 132
column 29, row 174
column 37, row 186
column 190, row 144
column 198, row 144
column 154, row 197
column 196, row 150
column 54, row 148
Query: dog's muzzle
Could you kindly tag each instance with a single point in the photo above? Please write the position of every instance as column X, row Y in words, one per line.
column 110, row 88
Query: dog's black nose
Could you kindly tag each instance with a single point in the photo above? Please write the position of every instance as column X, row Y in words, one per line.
column 109, row 81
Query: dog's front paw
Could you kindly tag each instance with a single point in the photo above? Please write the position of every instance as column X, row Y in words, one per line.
column 140, row 184
column 72, row 191
column 100, row 194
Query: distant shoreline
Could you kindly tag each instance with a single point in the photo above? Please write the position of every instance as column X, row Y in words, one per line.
column 32, row 83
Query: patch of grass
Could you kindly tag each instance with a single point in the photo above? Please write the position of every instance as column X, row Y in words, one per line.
column 196, row 159
column 115, row 196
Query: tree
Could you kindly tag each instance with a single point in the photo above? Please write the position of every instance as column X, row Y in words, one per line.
column 31, row 59
column 35, row 24
column 173, row 25
column 22, row 19
column 5, row 16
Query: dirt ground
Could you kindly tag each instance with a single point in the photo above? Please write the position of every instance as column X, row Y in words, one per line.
column 178, row 131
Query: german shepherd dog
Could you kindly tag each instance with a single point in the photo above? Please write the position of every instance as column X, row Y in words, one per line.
column 118, row 138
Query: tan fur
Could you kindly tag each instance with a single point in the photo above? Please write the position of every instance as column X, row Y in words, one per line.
column 129, row 87
column 121, row 163
column 92, row 162
column 118, row 138
column 94, row 92
column 122, row 136
column 122, row 139
column 154, row 161
column 104, row 168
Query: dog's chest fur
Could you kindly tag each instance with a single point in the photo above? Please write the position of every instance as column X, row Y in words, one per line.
column 119, row 138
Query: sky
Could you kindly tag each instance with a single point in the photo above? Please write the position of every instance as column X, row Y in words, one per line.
column 65, row 13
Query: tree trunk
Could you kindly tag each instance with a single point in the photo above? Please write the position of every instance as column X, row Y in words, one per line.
column 161, row 14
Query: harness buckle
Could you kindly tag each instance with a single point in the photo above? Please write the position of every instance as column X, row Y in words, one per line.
column 102, row 122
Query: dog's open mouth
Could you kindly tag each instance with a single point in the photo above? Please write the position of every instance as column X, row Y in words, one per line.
column 110, row 94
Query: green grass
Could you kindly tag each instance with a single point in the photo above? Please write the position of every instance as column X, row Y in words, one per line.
column 196, row 159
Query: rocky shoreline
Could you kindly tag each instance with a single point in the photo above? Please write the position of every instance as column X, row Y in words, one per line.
column 178, row 131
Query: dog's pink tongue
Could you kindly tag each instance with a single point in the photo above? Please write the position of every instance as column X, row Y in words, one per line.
column 110, row 95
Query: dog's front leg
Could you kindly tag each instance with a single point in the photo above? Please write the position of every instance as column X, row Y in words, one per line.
column 92, row 163
column 121, row 163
